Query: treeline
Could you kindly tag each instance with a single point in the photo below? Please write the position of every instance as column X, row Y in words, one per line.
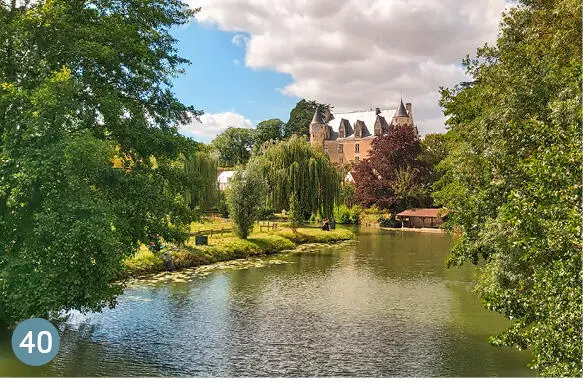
column 512, row 179
column 236, row 144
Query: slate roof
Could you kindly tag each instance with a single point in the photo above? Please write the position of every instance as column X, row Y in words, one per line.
column 402, row 111
column 368, row 117
column 318, row 117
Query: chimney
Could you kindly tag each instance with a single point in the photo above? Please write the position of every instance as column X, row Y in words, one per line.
column 409, row 110
column 377, row 111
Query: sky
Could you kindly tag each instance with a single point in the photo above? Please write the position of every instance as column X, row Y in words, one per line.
column 253, row 60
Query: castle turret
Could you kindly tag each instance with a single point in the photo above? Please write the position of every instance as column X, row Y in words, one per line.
column 318, row 130
column 404, row 117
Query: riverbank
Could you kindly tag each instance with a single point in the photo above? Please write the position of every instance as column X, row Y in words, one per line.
column 230, row 248
column 430, row 230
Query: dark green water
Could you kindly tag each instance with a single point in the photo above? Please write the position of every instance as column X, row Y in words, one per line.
column 382, row 306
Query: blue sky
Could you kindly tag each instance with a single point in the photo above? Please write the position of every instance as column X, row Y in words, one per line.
column 352, row 54
column 217, row 80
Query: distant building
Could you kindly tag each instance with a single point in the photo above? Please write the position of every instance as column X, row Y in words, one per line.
column 347, row 137
column 422, row 218
column 224, row 178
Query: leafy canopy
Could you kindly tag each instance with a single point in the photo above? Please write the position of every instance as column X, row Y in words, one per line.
column 512, row 179
column 267, row 131
column 234, row 146
column 301, row 116
column 244, row 198
column 293, row 166
column 392, row 177
column 85, row 85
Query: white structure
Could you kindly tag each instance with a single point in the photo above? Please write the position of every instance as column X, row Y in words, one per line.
column 224, row 178
column 349, row 178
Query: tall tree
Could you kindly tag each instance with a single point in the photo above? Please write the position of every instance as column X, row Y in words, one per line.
column 293, row 166
column 234, row 146
column 267, row 131
column 84, row 83
column 433, row 151
column 301, row 116
column 244, row 198
column 392, row 177
column 513, row 179
column 200, row 186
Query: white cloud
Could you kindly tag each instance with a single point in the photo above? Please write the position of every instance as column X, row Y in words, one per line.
column 240, row 40
column 210, row 125
column 357, row 53
column 236, row 62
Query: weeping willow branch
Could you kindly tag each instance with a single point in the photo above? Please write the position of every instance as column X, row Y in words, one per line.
column 294, row 167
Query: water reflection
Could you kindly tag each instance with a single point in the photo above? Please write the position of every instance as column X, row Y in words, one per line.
column 382, row 306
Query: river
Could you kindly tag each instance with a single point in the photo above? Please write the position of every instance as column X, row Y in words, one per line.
column 383, row 305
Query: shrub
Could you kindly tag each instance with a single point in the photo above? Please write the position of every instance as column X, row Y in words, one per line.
column 296, row 216
column 266, row 213
column 355, row 212
column 244, row 197
column 343, row 215
column 389, row 222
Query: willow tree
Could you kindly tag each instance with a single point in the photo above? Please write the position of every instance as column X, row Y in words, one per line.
column 200, row 170
column 294, row 167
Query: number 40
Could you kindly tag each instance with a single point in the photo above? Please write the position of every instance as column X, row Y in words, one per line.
column 27, row 342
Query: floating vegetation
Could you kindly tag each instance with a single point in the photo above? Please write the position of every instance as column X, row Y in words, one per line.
column 187, row 275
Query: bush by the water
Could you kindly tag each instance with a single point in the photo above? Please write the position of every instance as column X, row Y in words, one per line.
column 349, row 215
column 315, row 235
column 389, row 222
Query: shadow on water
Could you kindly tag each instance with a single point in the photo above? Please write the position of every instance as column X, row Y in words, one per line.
column 384, row 305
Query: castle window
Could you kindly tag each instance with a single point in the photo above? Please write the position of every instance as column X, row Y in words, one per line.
column 357, row 148
column 341, row 159
column 356, row 159
column 340, row 148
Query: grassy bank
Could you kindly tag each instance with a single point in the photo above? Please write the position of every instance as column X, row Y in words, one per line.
column 228, row 247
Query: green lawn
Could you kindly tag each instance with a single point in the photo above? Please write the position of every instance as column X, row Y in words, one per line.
column 229, row 247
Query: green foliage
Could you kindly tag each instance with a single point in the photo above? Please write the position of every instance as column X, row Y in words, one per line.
column 270, row 130
column 296, row 217
column 300, row 117
column 433, row 151
column 201, row 191
column 347, row 215
column 346, row 195
column 389, row 222
column 234, row 146
column 222, row 206
column 84, row 85
column 244, row 198
column 231, row 248
column 316, row 235
column 512, row 180
column 292, row 166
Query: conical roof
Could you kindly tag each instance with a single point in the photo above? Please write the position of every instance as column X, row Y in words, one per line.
column 318, row 118
column 402, row 110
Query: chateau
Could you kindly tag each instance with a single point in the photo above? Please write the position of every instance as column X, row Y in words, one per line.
column 347, row 137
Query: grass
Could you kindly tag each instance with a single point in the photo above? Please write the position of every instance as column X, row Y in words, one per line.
column 229, row 247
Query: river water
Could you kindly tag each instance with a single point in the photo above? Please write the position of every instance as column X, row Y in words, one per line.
column 383, row 305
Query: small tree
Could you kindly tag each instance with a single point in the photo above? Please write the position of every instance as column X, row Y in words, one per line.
column 296, row 216
column 245, row 196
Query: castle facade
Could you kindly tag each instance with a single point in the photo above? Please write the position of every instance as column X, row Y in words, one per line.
column 347, row 137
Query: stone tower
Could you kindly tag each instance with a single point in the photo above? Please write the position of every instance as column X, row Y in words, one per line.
column 404, row 117
column 318, row 129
